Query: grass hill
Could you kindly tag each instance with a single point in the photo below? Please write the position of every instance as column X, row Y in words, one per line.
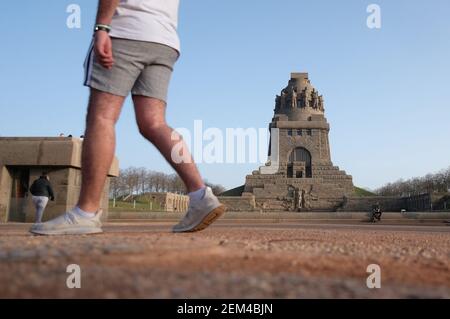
column 361, row 192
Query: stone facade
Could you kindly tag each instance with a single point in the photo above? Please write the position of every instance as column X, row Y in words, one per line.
column 170, row 202
column 23, row 159
column 244, row 203
column 300, row 175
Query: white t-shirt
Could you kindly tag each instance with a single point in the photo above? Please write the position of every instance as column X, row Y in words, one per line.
column 147, row 20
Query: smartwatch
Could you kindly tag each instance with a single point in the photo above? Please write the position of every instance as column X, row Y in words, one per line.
column 102, row 27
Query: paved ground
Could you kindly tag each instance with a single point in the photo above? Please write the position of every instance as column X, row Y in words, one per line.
column 229, row 260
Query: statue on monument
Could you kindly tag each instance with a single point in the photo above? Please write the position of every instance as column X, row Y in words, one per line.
column 283, row 99
column 305, row 98
column 321, row 108
column 311, row 196
column 294, row 98
column 303, row 199
column 314, row 100
column 300, row 100
column 299, row 205
column 277, row 102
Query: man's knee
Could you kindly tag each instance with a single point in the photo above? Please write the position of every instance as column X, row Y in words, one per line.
column 150, row 116
column 151, row 130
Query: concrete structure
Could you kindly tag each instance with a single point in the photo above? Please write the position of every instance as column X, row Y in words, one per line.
column 300, row 175
column 23, row 159
column 414, row 203
column 170, row 202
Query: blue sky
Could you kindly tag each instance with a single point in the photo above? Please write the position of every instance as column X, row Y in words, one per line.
column 386, row 91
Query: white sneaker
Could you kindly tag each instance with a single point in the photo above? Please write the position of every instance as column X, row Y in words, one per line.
column 69, row 224
column 201, row 213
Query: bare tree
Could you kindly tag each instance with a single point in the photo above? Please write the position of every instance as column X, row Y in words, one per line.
column 134, row 181
column 216, row 188
column 430, row 183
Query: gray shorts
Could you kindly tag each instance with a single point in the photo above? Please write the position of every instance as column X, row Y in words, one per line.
column 142, row 68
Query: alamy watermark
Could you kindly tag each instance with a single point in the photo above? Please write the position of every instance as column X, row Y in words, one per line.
column 373, row 281
column 226, row 146
column 74, row 279
column 374, row 19
column 73, row 20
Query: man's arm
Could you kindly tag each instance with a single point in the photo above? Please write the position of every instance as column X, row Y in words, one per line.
column 103, row 45
column 50, row 191
column 105, row 12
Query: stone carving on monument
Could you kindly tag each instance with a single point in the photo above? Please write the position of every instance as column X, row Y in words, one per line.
column 306, row 179
column 294, row 97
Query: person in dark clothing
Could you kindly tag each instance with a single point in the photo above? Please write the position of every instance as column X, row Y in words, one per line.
column 41, row 191
column 376, row 213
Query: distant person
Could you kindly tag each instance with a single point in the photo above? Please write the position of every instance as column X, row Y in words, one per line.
column 41, row 191
column 376, row 213
column 134, row 50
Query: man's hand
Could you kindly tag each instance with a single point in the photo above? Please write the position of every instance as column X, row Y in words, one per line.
column 103, row 49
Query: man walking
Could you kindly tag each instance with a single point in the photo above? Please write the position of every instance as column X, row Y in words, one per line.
column 41, row 190
column 134, row 50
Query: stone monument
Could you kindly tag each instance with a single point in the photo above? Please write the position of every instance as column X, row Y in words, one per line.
column 300, row 175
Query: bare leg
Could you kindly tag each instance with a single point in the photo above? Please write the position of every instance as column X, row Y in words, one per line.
column 98, row 147
column 151, row 120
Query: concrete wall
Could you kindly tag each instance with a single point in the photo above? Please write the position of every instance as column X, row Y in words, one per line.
column 5, row 193
column 418, row 202
column 365, row 204
column 60, row 158
column 277, row 217
column 415, row 203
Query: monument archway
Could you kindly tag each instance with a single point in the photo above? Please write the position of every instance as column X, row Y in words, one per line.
column 300, row 163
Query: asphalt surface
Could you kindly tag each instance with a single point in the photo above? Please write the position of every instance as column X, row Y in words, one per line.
column 229, row 260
